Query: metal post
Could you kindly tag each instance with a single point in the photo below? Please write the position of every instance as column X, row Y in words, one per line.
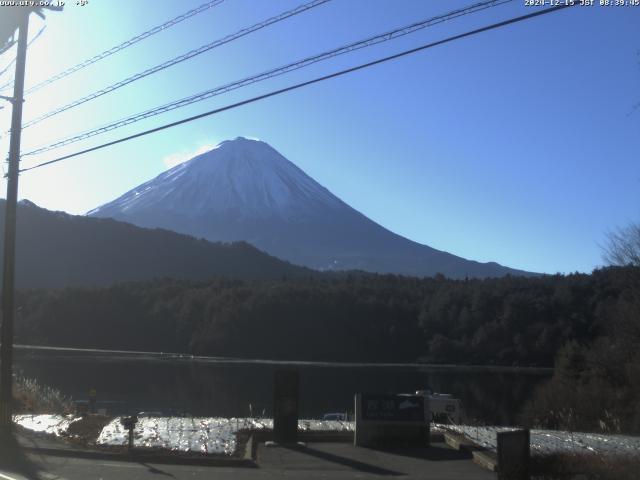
column 130, row 447
column 285, row 406
column 8, row 274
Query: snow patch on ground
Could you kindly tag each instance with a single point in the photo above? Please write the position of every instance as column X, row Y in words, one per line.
column 216, row 435
column 544, row 442
column 51, row 424
column 202, row 435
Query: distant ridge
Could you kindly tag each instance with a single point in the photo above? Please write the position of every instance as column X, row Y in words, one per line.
column 55, row 249
column 245, row 190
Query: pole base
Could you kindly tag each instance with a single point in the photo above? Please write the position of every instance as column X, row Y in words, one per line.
column 5, row 415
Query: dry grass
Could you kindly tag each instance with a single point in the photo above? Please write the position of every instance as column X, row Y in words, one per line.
column 34, row 397
column 591, row 466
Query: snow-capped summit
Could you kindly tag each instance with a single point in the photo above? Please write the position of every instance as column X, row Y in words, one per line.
column 246, row 176
column 245, row 190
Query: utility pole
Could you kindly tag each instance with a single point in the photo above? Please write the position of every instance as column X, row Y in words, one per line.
column 8, row 273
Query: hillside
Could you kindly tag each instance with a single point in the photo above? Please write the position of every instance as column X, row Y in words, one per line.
column 55, row 249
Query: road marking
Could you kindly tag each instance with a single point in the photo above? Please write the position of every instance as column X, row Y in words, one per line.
column 50, row 476
column 7, row 477
column 118, row 465
column 46, row 475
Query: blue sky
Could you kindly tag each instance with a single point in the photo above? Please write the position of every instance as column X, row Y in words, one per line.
column 518, row 145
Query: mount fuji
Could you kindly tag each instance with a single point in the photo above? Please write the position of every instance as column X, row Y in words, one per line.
column 245, row 190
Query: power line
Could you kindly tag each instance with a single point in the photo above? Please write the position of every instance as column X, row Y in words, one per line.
column 7, row 67
column 390, row 35
column 132, row 41
column 308, row 82
column 2, row 72
column 181, row 58
column 9, row 43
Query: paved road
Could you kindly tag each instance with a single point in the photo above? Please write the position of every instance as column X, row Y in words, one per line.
column 19, row 461
column 317, row 461
column 342, row 460
column 63, row 468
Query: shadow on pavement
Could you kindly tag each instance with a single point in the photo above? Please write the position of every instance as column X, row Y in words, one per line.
column 347, row 462
column 433, row 453
column 13, row 458
column 155, row 470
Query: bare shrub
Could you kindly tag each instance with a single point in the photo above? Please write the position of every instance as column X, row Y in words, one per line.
column 34, row 397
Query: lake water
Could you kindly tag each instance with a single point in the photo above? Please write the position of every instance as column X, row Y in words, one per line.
column 127, row 383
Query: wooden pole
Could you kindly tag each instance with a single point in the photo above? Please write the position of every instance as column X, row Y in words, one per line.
column 8, row 273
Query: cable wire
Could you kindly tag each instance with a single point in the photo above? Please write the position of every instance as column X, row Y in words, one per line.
column 8, row 44
column 2, row 72
column 181, row 58
column 390, row 35
column 132, row 41
column 308, row 82
column 7, row 67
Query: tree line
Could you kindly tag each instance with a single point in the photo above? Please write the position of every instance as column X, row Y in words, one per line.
column 351, row 317
column 596, row 385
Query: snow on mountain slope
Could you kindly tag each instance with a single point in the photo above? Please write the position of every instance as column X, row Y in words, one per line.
column 245, row 190
column 243, row 175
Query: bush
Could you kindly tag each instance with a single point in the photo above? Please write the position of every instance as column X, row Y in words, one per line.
column 591, row 465
column 33, row 397
column 596, row 387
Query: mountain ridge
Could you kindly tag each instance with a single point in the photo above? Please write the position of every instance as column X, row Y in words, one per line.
column 245, row 190
column 56, row 249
